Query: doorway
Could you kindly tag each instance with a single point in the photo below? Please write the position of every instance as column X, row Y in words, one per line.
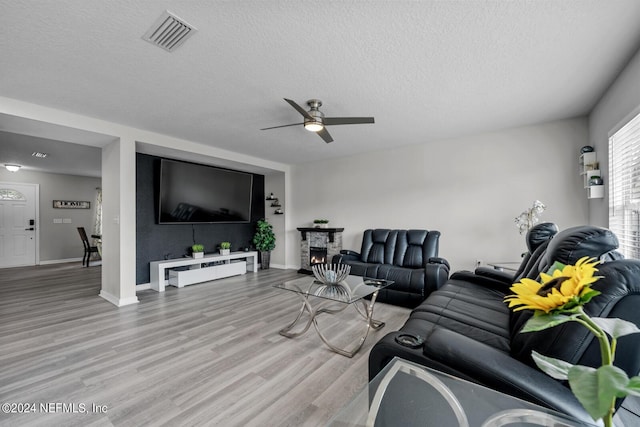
column 18, row 224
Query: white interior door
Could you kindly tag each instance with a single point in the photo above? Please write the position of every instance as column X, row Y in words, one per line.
column 18, row 224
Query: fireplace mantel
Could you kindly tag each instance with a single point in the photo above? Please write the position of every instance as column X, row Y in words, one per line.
column 331, row 231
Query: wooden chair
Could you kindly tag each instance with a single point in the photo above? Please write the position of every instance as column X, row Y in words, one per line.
column 88, row 249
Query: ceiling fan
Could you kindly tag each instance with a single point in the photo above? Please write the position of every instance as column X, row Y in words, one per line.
column 315, row 121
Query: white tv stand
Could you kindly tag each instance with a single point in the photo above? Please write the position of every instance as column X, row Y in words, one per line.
column 197, row 273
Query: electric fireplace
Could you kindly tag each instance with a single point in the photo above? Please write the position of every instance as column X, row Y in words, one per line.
column 318, row 246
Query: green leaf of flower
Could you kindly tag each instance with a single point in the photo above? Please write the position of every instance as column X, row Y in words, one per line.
column 587, row 296
column 555, row 368
column 616, row 327
column 556, row 266
column 596, row 388
column 545, row 321
column 633, row 387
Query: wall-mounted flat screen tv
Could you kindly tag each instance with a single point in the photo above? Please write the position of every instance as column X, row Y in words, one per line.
column 192, row 193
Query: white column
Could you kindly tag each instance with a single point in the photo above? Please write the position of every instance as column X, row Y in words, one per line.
column 119, row 222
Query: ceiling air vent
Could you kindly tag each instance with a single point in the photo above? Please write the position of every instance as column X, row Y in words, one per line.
column 169, row 32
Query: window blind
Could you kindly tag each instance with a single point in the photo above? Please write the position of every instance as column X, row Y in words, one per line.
column 624, row 187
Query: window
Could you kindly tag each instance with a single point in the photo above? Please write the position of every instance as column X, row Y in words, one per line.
column 624, row 187
column 6, row 194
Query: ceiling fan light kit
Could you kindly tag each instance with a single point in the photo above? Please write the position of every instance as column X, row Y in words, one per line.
column 313, row 126
column 315, row 121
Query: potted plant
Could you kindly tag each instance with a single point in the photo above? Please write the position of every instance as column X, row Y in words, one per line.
column 197, row 251
column 225, row 248
column 320, row 223
column 265, row 242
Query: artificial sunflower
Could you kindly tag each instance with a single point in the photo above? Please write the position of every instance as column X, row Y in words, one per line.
column 567, row 287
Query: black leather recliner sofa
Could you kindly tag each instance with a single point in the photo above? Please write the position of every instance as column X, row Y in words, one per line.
column 468, row 331
column 537, row 239
column 408, row 257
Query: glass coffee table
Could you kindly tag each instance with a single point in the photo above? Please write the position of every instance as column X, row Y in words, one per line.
column 319, row 298
column 406, row 394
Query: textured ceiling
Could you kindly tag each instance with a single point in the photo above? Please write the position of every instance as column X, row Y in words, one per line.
column 426, row 70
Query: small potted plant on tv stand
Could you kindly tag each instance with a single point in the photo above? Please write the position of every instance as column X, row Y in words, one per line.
column 225, row 248
column 265, row 242
column 197, row 251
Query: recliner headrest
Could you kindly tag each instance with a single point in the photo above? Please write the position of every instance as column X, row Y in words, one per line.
column 539, row 234
column 569, row 245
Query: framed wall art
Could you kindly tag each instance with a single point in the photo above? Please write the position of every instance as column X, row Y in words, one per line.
column 71, row 204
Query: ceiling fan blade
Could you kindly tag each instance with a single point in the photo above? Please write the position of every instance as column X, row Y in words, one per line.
column 283, row 126
column 325, row 135
column 300, row 110
column 329, row 121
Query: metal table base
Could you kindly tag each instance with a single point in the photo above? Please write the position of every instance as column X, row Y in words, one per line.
column 366, row 311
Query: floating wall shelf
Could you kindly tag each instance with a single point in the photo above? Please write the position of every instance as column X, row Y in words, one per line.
column 590, row 168
column 275, row 203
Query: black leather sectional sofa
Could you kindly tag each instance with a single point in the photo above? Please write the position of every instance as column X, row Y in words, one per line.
column 408, row 257
column 467, row 330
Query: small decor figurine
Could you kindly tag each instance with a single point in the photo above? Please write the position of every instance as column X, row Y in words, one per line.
column 560, row 298
column 529, row 218
column 225, row 248
column 197, row 251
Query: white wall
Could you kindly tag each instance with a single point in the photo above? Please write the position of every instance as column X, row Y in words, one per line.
column 59, row 242
column 118, row 179
column 274, row 183
column 616, row 107
column 470, row 189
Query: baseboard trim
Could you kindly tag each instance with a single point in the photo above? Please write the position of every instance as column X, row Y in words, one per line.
column 92, row 263
column 278, row 266
column 60, row 261
column 118, row 302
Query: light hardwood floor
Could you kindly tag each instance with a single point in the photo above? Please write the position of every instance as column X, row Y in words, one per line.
column 207, row 354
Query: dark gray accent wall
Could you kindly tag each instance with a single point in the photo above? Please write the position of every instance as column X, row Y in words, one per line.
column 162, row 241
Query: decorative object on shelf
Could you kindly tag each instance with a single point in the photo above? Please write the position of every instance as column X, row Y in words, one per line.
column 589, row 162
column 265, row 242
column 197, row 251
column 560, row 298
column 595, row 180
column 225, row 248
column 529, row 218
column 275, row 203
column 331, row 273
column 278, row 212
column 71, row 204
column 320, row 223
column 586, row 149
column 271, row 197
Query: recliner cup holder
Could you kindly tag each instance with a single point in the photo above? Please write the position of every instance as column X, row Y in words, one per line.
column 408, row 340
